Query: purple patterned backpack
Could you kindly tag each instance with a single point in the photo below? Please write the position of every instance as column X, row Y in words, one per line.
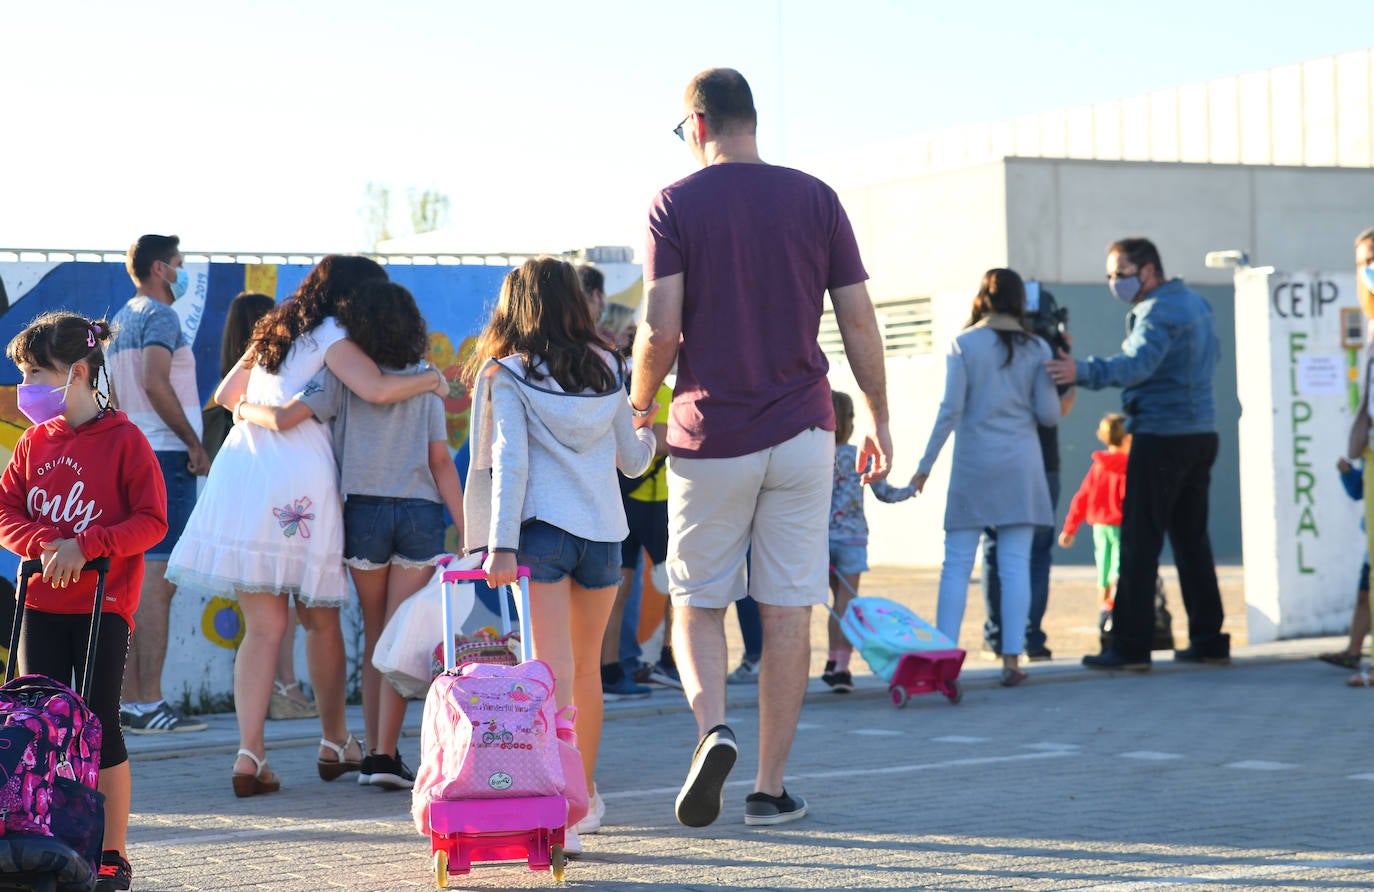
column 49, row 759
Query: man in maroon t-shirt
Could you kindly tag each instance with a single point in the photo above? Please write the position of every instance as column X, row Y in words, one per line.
column 740, row 256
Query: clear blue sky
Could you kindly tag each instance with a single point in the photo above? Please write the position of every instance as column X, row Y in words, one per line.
column 255, row 125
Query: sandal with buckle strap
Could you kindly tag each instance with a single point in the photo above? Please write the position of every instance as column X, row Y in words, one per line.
column 331, row 769
column 285, row 706
column 1343, row 659
column 262, row 780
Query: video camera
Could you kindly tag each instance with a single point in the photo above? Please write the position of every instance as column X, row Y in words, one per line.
column 1046, row 318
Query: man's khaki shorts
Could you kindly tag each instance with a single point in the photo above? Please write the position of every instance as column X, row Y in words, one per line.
column 774, row 504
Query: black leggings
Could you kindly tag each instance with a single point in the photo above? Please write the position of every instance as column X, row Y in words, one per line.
column 54, row 644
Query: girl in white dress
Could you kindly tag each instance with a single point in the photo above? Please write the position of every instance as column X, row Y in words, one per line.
column 269, row 522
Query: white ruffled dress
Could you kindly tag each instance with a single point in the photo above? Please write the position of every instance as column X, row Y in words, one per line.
column 270, row 518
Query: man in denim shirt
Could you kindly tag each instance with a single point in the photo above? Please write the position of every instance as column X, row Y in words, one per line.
column 1165, row 371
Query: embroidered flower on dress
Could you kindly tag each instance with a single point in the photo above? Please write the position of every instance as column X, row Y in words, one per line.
column 293, row 518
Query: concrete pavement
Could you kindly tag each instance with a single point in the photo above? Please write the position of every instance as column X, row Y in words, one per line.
column 1252, row 776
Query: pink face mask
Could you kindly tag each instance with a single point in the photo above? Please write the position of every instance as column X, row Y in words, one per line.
column 44, row 402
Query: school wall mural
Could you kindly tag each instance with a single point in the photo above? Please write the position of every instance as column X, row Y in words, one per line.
column 455, row 299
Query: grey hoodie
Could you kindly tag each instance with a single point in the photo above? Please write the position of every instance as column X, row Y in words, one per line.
column 539, row 453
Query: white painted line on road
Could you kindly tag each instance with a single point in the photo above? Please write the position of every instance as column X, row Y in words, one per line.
column 1368, row 777
column 283, row 831
column 875, row 732
column 1048, row 747
column 954, row 738
column 1150, row 756
column 809, row 726
column 1236, row 876
column 1261, row 765
column 859, row 772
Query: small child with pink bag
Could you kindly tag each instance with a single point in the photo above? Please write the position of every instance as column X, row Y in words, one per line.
column 550, row 425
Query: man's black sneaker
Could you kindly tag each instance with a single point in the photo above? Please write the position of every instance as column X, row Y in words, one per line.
column 365, row 771
column 1111, row 659
column 1218, row 650
column 699, row 802
column 762, row 809
column 1039, row 655
column 115, row 873
column 390, row 773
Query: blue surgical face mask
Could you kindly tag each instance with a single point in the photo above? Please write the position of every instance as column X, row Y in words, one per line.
column 1125, row 289
column 1367, row 274
column 183, row 281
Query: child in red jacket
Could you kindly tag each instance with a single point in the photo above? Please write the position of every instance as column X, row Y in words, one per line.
column 82, row 483
column 1099, row 499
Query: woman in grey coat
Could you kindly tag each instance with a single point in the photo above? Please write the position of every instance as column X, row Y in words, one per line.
column 996, row 391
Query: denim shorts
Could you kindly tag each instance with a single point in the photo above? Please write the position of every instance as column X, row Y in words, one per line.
column 379, row 531
column 848, row 559
column 181, row 499
column 552, row 554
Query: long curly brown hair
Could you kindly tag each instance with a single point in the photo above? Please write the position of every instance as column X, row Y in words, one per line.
column 317, row 297
column 541, row 314
column 383, row 320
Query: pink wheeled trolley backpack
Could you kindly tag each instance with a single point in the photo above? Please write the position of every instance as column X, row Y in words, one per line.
column 500, row 777
column 902, row 649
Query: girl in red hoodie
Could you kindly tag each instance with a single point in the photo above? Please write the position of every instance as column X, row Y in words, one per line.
column 1098, row 501
column 82, row 483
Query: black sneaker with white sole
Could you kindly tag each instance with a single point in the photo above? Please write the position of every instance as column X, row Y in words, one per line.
column 760, row 809
column 390, row 773
column 365, row 770
column 699, row 802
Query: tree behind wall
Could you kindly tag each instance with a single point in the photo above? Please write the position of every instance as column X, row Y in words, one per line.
column 376, row 213
column 428, row 209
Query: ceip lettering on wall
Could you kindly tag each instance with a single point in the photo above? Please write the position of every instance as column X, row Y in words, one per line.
column 1300, row 530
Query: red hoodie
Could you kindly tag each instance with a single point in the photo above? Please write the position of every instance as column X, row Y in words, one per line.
column 99, row 483
column 1099, row 498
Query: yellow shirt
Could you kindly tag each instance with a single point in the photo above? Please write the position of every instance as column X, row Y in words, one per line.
column 655, row 486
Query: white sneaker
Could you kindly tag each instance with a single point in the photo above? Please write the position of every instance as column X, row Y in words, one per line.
column 745, row 673
column 572, row 846
column 591, row 821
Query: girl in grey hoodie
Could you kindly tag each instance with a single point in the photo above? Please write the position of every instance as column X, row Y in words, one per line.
column 550, row 425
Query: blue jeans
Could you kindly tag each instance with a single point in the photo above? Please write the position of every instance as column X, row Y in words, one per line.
column 630, row 651
column 961, row 548
column 750, row 628
column 1041, row 557
column 181, row 501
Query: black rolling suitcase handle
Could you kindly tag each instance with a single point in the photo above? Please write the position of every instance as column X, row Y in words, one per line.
column 101, row 566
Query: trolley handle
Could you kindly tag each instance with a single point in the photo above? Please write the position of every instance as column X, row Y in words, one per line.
column 101, row 566
column 477, row 574
column 520, row 588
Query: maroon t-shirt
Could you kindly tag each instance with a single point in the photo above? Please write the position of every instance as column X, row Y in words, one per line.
column 759, row 246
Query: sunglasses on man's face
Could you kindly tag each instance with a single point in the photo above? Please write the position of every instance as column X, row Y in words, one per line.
column 677, row 131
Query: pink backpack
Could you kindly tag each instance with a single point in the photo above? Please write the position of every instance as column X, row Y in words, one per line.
column 489, row 732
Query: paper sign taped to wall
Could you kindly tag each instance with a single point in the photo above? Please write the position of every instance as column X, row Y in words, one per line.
column 1321, row 374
